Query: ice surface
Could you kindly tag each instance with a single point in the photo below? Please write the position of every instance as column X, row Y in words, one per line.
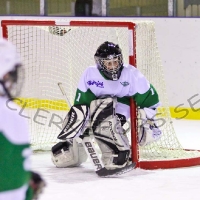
column 82, row 183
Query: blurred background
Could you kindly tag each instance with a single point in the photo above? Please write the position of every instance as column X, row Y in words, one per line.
column 144, row 8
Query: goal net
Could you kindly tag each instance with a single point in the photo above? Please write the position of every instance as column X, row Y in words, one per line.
column 54, row 52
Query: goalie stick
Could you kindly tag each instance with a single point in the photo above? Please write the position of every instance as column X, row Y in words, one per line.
column 93, row 155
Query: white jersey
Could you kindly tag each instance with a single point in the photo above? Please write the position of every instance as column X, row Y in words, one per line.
column 14, row 152
column 131, row 83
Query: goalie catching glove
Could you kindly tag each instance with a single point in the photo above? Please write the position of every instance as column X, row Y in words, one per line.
column 148, row 129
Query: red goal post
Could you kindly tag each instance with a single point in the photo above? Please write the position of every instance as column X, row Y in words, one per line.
column 40, row 43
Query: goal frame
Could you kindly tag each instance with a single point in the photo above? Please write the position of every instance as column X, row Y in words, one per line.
column 157, row 164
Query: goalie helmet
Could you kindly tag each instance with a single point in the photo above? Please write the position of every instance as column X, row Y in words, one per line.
column 109, row 60
column 11, row 72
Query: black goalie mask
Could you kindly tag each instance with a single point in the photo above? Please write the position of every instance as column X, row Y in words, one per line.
column 109, row 60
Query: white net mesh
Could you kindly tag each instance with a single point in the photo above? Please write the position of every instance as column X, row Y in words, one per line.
column 149, row 63
column 51, row 55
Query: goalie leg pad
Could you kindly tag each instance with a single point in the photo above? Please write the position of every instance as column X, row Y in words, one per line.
column 109, row 133
column 65, row 154
column 111, row 157
column 105, row 123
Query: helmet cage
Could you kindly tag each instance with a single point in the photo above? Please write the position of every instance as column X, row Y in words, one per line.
column 110, row 72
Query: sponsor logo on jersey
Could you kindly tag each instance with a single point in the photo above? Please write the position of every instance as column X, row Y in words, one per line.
column 124, row 83
column 97, row 83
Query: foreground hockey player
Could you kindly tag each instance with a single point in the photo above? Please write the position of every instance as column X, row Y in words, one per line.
column 101, row 108
column 17, row 182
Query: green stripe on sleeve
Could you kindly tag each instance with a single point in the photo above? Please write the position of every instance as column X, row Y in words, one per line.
column 84, row 98
column 124, row 100
column 13, row 160
column 147, row 99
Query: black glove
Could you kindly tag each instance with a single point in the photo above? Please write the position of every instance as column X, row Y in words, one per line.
column 37, row 184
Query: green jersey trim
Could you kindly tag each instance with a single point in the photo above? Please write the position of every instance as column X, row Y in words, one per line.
column 147, row 99
column 29, row 193
column 13, row 174
column 84, row 98
column 124, row 100
column 102, row 74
